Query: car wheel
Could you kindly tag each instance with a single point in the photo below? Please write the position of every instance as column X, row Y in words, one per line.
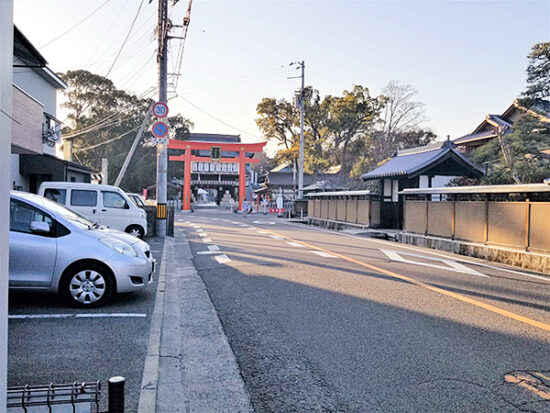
column 135, row 230
column 87, row 285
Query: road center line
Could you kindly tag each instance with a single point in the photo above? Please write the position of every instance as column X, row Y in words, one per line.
column 76, row 315
column 457, row 296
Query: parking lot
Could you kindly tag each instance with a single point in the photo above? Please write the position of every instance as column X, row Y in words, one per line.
column 52, row 342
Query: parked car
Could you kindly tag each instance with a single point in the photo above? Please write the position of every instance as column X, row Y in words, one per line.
column 137, row 199
column 104, row 204
column 53, row 248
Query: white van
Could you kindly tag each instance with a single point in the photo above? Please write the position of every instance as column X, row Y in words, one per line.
column 105, row 204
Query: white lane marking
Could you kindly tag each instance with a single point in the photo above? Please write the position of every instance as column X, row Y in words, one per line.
column 324, row 254
column 243, row 225
column 294, row 244
column 222, row 259
column 202, row 234
column 276, row 237
column 187, row 222
column 235, row 222
column 264, row 222
column 199, row 230
column 180, row 220
column 213, row 248
column 262, row 232
column 208, row 252
column 412, row 248
column 450, row 265
column 89, row 315
column 253, row 228
column 207, row 240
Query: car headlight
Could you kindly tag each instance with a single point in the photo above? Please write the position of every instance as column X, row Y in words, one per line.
column 119, row 246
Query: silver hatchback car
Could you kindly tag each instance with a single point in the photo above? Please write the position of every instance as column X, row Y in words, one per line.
column 56, row 249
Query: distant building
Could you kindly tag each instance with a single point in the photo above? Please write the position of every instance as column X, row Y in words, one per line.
column 422, row 167
column 217, row 177
column 493, row 124
column 284, row 178
column 36, row 131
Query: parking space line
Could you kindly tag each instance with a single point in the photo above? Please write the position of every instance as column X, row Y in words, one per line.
column 76, row 315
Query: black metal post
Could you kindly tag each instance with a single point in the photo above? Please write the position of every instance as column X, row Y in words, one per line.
column 116, row 394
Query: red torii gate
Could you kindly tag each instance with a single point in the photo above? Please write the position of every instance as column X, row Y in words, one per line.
column 187, row 158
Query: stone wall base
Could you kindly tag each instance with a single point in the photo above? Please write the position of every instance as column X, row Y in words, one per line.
column 524, row 259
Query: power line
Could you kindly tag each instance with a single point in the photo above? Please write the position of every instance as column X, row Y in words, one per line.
column 219, row 120
column 126, row 38
column 76, row 25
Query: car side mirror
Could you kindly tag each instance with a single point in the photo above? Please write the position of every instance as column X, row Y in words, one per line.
column 39, row 227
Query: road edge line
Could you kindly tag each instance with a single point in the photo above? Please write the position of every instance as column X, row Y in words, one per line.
column 149, row 382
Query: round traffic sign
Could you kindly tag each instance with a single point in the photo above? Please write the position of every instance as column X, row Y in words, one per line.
column 160, row 109
column 160, row 129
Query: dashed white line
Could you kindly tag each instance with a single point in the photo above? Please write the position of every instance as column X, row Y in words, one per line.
column 324, row 254
column 222, row 259
column 213, row 248
column 294, row 244
column 199, row 230
column 262, row 232
column 276, row 237
column 202, row 234
column 207, row 252
column 207, row 240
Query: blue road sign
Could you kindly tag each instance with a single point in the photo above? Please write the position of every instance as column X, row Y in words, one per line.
column 160, row 129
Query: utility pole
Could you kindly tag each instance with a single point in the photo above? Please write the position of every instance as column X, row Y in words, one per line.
column 301, row 101
column 162, row 150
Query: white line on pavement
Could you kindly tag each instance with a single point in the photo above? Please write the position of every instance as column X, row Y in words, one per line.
column 213, row 248
column 202, row 234
column 235, row 222
column 262, row 232
column 324, row 254
column 276, row 237
column 199, row 230
column 222, row 259
column 208, row 252
column 207, row 240
column 294, row 244
column 81, row 315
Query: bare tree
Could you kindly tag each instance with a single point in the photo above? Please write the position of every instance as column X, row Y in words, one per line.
column 400, row 121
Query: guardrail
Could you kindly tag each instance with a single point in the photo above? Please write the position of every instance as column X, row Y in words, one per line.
column 79, row 397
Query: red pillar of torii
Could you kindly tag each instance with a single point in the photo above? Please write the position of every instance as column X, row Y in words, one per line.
column 187, row 158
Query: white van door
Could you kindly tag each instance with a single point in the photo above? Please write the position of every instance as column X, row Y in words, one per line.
column 85, row 202
column 115, row 211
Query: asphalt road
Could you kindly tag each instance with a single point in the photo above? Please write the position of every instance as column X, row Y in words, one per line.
column 324, row 322
column 64, row 350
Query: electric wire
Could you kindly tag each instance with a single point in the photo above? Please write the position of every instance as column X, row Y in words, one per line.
column 218, row 119
column 126, row 38
column 75, row 25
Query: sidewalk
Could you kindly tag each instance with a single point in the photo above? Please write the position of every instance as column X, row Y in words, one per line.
column 190, row 366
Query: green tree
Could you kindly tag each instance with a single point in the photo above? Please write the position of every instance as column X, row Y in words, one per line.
column 103, row 123
column 537, row 94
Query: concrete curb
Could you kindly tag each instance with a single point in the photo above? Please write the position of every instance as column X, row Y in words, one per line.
column 149, row 381
column 190, row 366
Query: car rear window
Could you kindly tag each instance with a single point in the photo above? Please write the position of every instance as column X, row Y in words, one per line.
column 83, row 198
column 57, row 195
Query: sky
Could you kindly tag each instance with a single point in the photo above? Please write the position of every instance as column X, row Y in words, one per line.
column 465, row 58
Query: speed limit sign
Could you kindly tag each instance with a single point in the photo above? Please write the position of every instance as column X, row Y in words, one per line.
column 160, row 109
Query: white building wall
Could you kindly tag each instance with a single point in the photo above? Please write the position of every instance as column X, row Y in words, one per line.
column 36, row 86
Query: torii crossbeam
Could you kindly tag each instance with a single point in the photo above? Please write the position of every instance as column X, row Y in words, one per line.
column 187, row 158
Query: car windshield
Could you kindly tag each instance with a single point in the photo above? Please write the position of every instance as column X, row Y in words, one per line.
column 137, row 200
column 58, row 209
